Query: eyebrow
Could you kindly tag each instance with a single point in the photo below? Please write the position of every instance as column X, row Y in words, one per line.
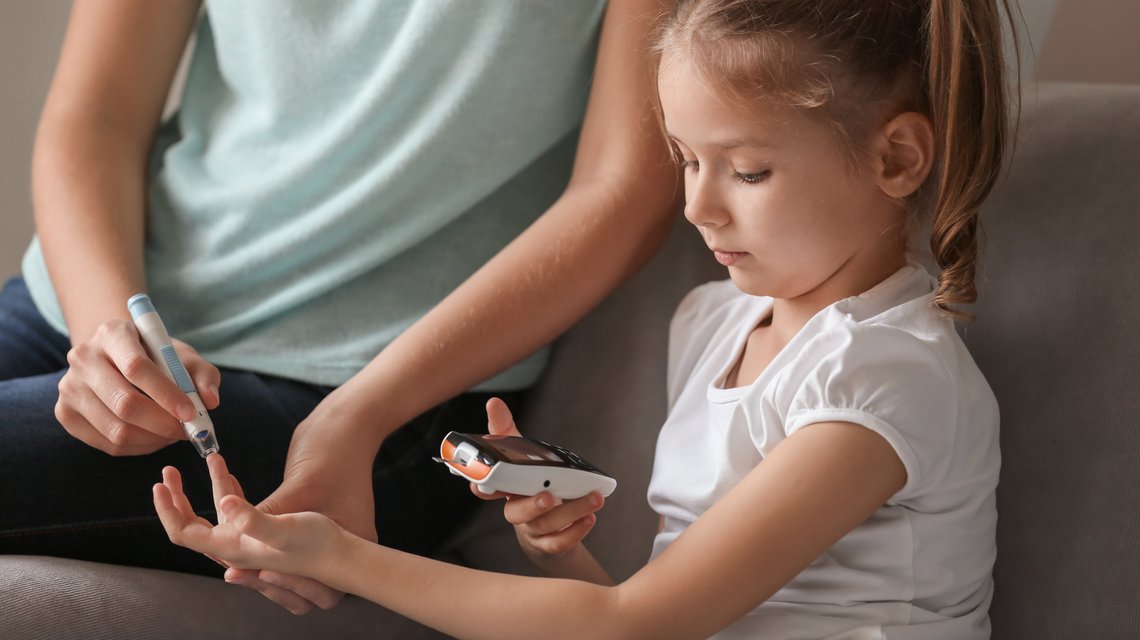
column 734, row 143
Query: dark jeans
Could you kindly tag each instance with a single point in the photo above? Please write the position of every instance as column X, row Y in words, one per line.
column 60, row 497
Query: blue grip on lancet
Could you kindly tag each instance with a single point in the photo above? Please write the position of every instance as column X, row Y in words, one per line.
column 181, row 377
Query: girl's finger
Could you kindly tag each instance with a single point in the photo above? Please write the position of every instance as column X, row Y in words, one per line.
column 522, row 510
column 238, row 491
column 221, row 482
column 563, row 515
column 565, row 540
column 182, row 531
column 252, row 522
column 490, row 496
column 168, row 514
column 172, row 480
column 499, row 419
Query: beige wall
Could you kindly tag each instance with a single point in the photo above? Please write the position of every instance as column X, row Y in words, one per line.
column 1090, row 40
column 30, row 37
column 1093, row 41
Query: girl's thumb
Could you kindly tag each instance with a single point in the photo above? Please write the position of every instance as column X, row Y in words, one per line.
column 500, row 422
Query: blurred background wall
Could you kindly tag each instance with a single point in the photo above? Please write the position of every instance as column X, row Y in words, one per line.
column 30, row 36
column 1070, row 40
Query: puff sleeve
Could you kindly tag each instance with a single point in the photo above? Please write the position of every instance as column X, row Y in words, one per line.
column 891, row 382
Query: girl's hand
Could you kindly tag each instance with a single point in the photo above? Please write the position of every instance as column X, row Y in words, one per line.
column 116, row 399
column 546, row 527
column 245, row 537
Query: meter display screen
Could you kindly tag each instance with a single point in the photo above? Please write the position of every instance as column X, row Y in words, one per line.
column 520, row 450
column 523, row 450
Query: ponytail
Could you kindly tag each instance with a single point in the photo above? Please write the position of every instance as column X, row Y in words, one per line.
column 967, row 97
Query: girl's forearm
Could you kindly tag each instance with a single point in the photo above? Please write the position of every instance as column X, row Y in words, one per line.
column 467, row 603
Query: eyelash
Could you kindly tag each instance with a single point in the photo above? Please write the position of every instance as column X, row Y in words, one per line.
column 746, row 178
column 752, row 178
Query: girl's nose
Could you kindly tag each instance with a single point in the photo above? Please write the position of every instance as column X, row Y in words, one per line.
column 703, row 207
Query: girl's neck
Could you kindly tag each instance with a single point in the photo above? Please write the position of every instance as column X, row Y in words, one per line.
column 789, row 315
column 857, row 275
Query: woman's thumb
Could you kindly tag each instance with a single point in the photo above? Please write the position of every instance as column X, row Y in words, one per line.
column 500, row 422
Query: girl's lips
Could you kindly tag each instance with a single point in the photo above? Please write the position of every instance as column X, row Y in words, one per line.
column 727, row 257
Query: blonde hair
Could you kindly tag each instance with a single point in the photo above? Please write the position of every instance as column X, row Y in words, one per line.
column 850, row 63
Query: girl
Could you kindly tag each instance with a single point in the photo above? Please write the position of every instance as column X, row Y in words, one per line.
column 828, row 466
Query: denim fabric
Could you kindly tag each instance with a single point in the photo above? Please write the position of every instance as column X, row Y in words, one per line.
column 62, row 498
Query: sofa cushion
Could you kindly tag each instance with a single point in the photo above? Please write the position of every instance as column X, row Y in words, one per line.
column 1056, row 336
column 49, row 598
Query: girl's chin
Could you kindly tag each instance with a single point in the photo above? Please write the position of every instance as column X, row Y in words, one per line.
column 748, row 282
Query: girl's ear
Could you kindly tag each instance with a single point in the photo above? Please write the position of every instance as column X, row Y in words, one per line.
column 904, row 153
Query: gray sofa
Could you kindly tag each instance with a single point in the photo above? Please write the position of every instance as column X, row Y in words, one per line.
column 1060, row 300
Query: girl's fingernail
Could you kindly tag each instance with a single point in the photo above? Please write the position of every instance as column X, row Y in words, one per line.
column 213, row 389
column 596, row 500
column 228, row 508
column 543, row 502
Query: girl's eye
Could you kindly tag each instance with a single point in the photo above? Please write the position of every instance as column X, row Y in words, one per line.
column 753, row 178
column 690, row 164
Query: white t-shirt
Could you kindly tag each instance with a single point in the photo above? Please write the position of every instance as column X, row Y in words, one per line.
column 921, row 566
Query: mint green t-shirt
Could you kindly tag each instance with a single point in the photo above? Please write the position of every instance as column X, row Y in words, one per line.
column 337, row 167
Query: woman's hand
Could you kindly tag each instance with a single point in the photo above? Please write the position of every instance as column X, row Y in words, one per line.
column 547, row 528
column 328, row 475
column 245, row 536
column 116, row 399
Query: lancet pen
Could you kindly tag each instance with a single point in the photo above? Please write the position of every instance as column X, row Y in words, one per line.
column 161, row 350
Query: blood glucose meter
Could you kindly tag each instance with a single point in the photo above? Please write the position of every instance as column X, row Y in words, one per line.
column 521, row 466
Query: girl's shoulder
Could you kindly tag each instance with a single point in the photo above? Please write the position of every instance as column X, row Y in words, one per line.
column 905, row 374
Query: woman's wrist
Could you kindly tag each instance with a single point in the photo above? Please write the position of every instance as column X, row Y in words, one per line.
column 351, row 428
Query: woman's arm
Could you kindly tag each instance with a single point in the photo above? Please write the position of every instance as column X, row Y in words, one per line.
column 88, row 184
column 94, row 138
column 613, row 215
column 816, row 486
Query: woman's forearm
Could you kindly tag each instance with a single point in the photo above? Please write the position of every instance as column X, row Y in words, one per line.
column 88, row 186
column 614, row 214
column 94, row 138
column 531, row 292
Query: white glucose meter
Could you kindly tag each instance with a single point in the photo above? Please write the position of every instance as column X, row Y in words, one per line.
column 521, row 466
